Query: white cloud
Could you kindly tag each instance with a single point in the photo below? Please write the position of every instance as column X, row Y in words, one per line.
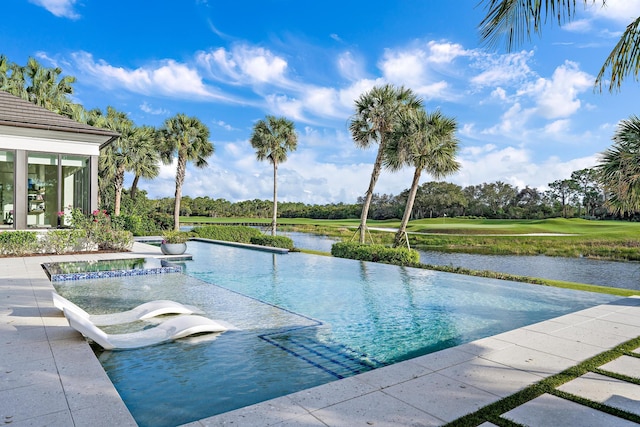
column 444, row 52
column 350, row 67
column 155, row 111
column 60, row 8
column 502, row 69
column 621, row 11
column 168, row 78
column 244, row 64
column 558, row 97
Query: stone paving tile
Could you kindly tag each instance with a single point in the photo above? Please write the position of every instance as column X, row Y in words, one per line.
column 27, row 402
column 441, row 396
column 394, row 374
column 624, row 365
column 375, row 409
column 606, row 390
column 25, row 374
column 588, row 336
column 331, row 393
column 484, row 346
column 548, row 410
column 103, row 415
column 627, row 317
column 262, row 414
column 489, row 376
column 307, row 420
column 612, row 328
column 530, row 360
column 57, row 419
column 28, row 352
column 637, row 350
column 443, row 359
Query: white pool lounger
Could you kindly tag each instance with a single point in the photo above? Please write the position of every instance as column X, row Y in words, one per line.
column 141, row 312
column 172, row 329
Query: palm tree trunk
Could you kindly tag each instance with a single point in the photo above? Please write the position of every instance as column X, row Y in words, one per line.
column 180, row 173
column 134, row 186
column 408, row 208
column 275, row 198
column 118, row 183
column 369, row 196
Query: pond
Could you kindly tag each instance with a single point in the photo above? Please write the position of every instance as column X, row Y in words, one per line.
column 615, row 274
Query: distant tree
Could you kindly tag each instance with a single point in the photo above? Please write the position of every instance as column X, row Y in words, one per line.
column 619, row 168
column 273, row 138
column 426, row 141
column 589, row 190
column 514, row 20
column 564, row 190
column 376, row 113
column 187, row 139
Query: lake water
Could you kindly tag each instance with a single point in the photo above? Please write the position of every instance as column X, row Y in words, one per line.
column 615, row 274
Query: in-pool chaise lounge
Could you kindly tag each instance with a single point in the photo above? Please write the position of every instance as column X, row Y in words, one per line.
column 172, row 329
column 141, row 312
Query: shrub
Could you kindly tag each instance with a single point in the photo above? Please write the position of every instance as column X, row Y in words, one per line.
column 171, row 236
column 18, row 242
column 273, row 241
column 61, row 241
column 375, row 253
column 227, row 233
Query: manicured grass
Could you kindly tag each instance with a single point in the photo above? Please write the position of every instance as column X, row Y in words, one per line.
column 611, row 240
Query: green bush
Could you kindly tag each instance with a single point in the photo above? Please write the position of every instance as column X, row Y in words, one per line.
column 61, row 241
column 227, row 233
column 375, row 253
column 18, row 242
column 273, row 241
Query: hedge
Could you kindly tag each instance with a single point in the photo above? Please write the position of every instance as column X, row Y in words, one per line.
column 227, row 233
column 273, row 241
column 375, row 253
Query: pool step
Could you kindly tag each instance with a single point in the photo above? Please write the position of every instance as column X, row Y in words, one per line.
column 335, row 359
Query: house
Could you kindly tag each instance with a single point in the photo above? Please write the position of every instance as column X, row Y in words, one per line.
column 48, row 165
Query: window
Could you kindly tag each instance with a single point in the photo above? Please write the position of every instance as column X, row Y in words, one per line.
column 42, row 190
column 7, row 176
column 75, row 185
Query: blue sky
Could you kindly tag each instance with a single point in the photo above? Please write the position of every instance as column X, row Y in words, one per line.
column 528, row 117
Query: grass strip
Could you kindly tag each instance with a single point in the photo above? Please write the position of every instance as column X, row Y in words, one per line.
column 493, row 411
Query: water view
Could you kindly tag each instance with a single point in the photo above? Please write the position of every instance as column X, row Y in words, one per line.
column 303, row 320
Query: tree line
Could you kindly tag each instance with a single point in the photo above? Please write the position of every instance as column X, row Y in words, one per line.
column 581, row 196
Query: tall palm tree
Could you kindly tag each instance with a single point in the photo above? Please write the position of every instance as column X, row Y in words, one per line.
column 187, row 139
column 273, row 138
column 47, row 89
column 515, row 20
column 145, row 157
column 619, row 168
column 376, row 113
column 426, row 141
column 117, row 157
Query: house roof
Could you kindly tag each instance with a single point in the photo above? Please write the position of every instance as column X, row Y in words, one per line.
column 17, row 112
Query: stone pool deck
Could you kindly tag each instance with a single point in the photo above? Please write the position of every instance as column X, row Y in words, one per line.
column 49, row 375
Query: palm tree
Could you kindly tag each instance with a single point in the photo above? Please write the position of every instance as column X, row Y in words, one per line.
column 376, row 113
column 515, row 20
column 426, row 141
column 46, row 89
column 186, row 138
column 145, row 157
column 118, row 157
column 273, row 138
column 619, row 168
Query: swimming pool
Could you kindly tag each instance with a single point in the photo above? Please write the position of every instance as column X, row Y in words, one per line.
column 305, row 320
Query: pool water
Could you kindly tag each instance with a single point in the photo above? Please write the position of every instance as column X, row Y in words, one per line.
column 304, row 320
